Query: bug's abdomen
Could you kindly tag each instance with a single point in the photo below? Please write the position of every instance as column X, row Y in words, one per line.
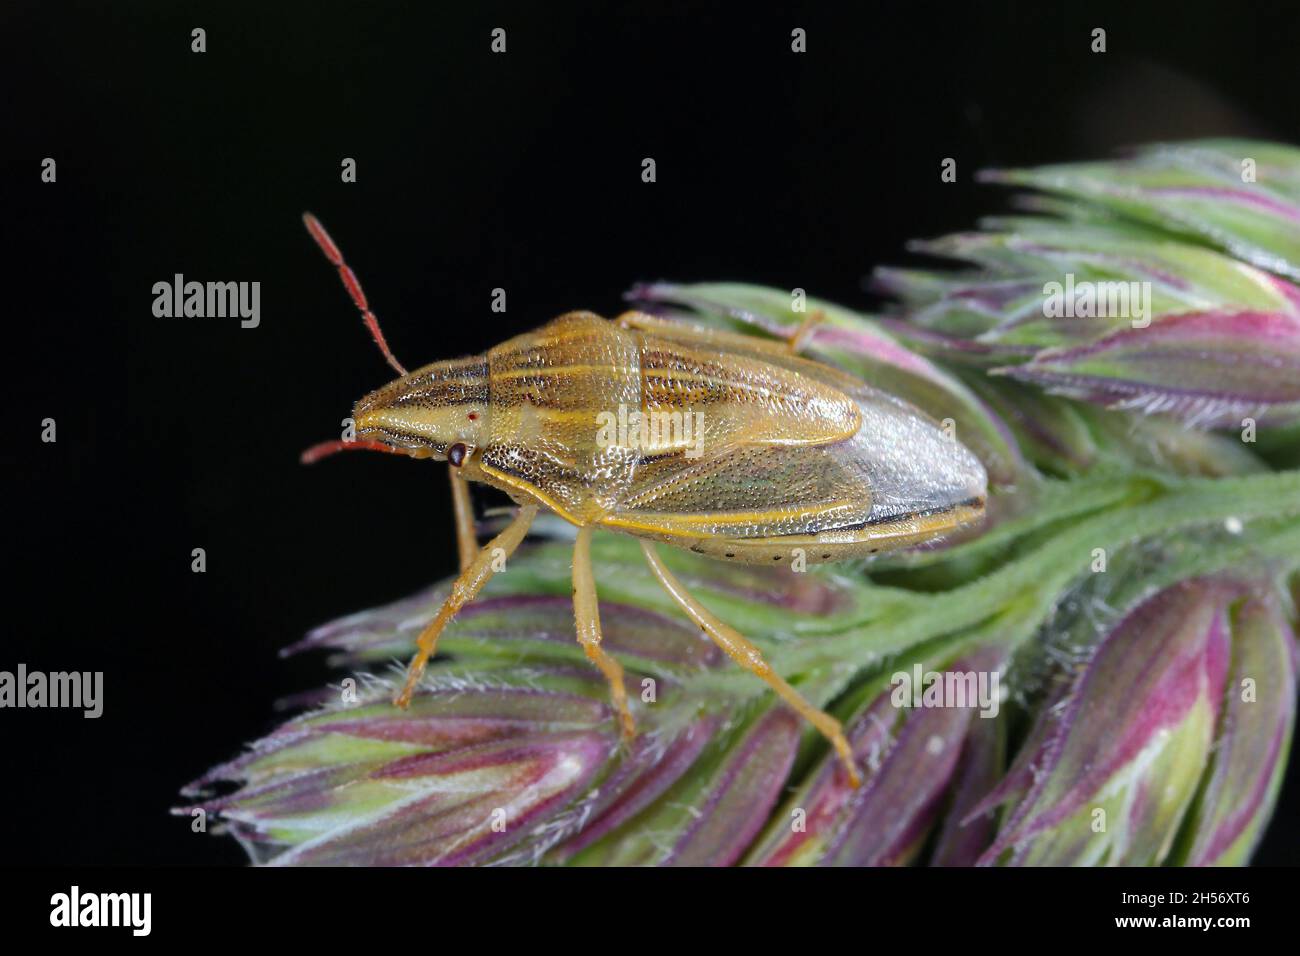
column 898, row 480
column 688, row 443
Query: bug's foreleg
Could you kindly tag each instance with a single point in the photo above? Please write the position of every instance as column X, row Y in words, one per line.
column 462, row 510
column 463, row 590
column 586, row 615
column 748, row 656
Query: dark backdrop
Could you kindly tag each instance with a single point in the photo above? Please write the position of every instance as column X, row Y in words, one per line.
column 475, row 171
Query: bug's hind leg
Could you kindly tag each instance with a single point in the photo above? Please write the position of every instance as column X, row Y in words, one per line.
column 586, row 615
column 463, row 513
column 750, row 657
column 799, row 337
column 463, row 590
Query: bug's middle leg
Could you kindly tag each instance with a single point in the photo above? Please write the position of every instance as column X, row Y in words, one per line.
column 744, row 653
column 463, row 590
column 791, row 343
column 586, row 615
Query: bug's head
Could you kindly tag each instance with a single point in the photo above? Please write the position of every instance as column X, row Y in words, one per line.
column 429, row 412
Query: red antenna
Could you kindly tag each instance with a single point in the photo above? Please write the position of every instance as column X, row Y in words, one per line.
column 326, row 448
column 353, row 286
column 350, row 282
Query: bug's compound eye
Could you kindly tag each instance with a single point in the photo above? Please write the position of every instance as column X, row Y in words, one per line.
column 456, row 454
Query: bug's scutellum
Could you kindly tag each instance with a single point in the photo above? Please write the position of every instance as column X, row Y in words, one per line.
column 793, row 455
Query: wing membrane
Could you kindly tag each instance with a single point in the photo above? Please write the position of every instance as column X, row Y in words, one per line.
column 782, row 445
column 898, row 464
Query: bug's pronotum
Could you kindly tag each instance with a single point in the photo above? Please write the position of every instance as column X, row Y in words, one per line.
column 788, row 454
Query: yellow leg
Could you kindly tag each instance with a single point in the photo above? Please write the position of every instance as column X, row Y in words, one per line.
column 463, row 512
column 751, row 658
column 586, row 615
column 800, row 335
column 680, row 331
column 463, row 590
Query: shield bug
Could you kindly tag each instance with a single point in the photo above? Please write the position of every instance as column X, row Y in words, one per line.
column 727, row 445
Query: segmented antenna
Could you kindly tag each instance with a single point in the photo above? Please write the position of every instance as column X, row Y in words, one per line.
column 326, row 448
column 353, row 286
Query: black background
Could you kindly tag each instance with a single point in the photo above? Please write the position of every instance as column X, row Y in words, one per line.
column 474, row 171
